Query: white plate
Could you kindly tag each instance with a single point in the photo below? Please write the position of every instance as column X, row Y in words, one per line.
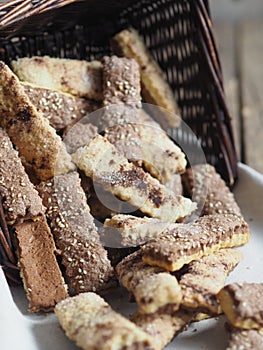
column 24, row 331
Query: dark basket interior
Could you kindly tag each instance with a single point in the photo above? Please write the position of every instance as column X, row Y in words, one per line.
column 178, row 33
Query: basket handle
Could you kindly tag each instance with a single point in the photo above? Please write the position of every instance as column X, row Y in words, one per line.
column 18, row 10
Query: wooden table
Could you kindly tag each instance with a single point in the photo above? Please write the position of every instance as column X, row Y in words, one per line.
column 241, row 53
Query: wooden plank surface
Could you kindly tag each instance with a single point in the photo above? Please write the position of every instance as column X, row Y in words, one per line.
column 225, row 36
column 241, row 54
column 251, row 60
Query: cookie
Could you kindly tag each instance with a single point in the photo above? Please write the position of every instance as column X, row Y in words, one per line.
column 42, row 278
column 148, row 146
column 121, row 114
column 59, row 108
column 129, row 230
column 121, row 82
column 188, row 242
column 20, row 199
column 204, row 279
column 28, row 130
column 101, row 161
column 210, row 190
column 152, row 287
column 76, row 77
column 243, row 305
column 86, row 264
column 92, row 324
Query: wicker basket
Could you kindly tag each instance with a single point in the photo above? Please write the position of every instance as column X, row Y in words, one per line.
column 179, row 34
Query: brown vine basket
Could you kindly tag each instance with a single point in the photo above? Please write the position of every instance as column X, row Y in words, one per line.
column 180, row 36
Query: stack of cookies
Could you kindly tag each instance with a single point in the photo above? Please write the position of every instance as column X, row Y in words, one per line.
column 74, row 139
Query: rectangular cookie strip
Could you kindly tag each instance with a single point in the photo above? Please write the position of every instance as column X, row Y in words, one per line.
column 191, row 241
column 121, row 81
column 19, row 198
column 39, row 269
column 155, row 89
column 92, row 324
column 132, row 230
column 79, row 78
column 101, row 161
column 85, row 260
column 152, row 287
column 59, row 108
column 204, row 279
column 36, row 139
column 245, row 339
column 162, row 327
column 210, row 190
column 243, row 304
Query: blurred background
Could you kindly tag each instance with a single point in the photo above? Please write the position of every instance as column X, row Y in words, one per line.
column 238, row 26
column 237, row 9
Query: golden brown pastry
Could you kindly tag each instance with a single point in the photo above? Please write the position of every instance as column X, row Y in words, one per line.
column 101, row 161
column 204, row 279
column 28, row 130
column 243, row 305
column 79, row 78
column 61, row 109
column 132, row 231
column 153, row 288
column 92, row 324
column 187, row 242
